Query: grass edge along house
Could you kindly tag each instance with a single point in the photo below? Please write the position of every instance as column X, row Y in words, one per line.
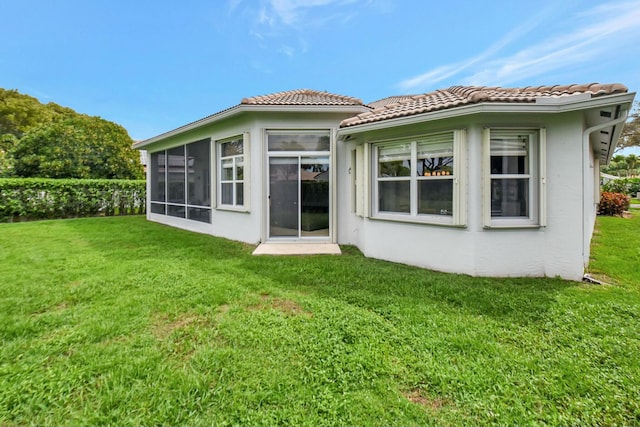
column 485, row 181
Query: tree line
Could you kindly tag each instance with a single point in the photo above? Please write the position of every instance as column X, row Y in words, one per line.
column 52, row 141
column 620, row 165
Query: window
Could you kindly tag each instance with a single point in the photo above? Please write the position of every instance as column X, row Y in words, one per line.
column 394, row 178
column 231, row 169
column 298, row 141
column 513, row 177
column 420, row 179
column 181, row 181
column 435, row 176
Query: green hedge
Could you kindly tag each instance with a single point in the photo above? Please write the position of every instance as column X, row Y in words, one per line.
column 23, row 199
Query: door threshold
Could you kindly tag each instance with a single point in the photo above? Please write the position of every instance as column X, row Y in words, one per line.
column 296, row 248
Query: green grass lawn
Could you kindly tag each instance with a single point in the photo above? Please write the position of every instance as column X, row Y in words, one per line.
column 126, row 322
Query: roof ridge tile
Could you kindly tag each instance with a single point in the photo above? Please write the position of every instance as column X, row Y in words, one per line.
column 301, row 97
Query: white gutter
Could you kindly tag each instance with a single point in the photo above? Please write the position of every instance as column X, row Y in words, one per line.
column 586, row 145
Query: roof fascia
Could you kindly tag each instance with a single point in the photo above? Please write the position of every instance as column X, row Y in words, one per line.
column 490, row 107
column 244, row 108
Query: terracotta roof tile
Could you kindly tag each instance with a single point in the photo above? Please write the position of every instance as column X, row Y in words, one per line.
column 293, row 97
column 389, row 101
column 301, row 97
column 455, row 96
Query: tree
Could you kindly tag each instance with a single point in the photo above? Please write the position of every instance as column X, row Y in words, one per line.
column 48, row 140
column 8, row 143
column 77, row 147
column 19, row 113
column 623, row 165
column 619, row 162
column 632, row 161
column 630, row 136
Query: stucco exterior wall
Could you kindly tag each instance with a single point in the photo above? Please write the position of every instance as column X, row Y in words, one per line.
column 592, row 198
column 235, row 225
column 292, row 121
column 246, row 225
column 552, row 250
column 559, row 248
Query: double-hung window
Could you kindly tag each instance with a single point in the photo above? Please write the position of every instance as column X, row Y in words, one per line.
column 435, row 175
column 394, row 177
column 514, row 177
column 420, row 179
column 231, row 172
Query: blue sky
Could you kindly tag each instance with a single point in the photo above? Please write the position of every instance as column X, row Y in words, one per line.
column 152, row 66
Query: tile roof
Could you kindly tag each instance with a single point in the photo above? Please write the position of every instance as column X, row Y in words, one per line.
column 301, row 97
column 455, row 96
column 389, row 100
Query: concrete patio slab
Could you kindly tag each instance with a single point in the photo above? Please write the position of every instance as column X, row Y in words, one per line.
column 297, row 249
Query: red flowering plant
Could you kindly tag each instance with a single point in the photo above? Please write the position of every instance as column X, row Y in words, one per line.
column 613, row 203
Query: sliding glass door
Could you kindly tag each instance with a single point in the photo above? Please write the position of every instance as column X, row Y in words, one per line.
column 284, row 209
column 299, row 194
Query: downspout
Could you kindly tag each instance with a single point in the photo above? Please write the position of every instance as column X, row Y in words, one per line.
column 586, row 146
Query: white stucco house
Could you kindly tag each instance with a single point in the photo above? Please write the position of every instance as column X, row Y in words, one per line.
column 485, row 181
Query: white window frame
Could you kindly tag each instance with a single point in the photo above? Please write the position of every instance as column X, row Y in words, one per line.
column 536, row 176
column 458, row 178
column 237, row 160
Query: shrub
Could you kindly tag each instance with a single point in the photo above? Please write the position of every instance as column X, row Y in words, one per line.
column 616, row 186
column 629, row 186
column 43, row 198
column 634, row 186
column 613, row 203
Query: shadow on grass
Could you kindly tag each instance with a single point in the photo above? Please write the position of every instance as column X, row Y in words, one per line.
column 387, row 288
column 124, row 237
column 381, row 285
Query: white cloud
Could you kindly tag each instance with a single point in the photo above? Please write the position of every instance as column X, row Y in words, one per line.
column 233, row 4
column 294, row 12
column 278, row 21
column 430, row 77
column 588, row 35
column 287, row 50
column 445, row 71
